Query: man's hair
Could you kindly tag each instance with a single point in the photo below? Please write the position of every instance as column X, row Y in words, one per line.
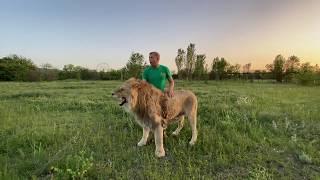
column 155, row 53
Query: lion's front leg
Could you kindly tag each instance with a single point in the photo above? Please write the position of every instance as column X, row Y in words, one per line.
column 158, row 136
column 145, row 136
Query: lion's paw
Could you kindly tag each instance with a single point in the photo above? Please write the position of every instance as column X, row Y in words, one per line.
column 192, row 143
column 160, row 153
column 175, row 133
column 141, row 143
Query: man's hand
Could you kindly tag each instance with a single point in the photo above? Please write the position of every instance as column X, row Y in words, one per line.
column 170, row 93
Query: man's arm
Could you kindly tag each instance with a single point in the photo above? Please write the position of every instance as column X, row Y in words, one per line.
column 171, row 83
column 171, row 87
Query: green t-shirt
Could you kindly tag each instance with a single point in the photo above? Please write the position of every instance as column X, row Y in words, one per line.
column 157, row 76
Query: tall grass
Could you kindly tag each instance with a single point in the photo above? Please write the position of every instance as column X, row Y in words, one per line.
column 75, row 130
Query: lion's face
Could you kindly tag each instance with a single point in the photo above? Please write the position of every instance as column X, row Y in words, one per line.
column 125, row 94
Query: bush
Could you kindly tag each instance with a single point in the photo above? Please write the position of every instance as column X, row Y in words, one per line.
column 306, row 74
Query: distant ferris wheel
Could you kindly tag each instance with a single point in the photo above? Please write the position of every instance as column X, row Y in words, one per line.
column 104, row 67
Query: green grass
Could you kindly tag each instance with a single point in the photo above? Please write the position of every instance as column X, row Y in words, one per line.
column 75, row 129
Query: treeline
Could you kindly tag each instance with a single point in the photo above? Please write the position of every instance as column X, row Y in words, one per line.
column 190, row 66
column 19, row 68
column 194, row 66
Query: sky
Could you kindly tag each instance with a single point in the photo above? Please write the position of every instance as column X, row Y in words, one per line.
column 95, row 32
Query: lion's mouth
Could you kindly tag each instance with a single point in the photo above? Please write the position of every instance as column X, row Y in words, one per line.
column 124, row 100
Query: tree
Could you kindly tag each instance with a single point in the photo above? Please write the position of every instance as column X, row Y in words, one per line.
column 246, row 68
column 277, row 68
column 16, row 68
column 112, row 74
column 190, row 61
column 199, row 69
column 269, row 67
column 291, row 67
column 70, row 71
column 292, row 64
column 48, row 72
column 214, row 68
column 306, row 74
column 317, row 68
column 206, row 73
column 234, row 70
column 87, row 74
column 180, row 60
column 135, row 65
column 219, row 68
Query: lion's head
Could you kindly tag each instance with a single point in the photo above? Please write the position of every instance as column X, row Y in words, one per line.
column 126, row 94
column 138, row 96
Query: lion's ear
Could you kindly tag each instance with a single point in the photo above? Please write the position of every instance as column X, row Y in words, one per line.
column 132, row 79
column 135, row 84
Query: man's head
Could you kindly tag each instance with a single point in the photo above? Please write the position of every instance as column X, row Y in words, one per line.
column 154, row 58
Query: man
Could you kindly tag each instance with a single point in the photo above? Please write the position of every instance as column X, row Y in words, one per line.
column 158, row 74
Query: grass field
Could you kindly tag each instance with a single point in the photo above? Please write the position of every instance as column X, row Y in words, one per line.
column 75, row 130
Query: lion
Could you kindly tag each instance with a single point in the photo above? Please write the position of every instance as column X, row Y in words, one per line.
column 154, row 110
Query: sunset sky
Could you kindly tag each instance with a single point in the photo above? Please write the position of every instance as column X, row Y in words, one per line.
column 88, row 33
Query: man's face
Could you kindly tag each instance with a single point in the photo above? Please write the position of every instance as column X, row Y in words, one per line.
column 153, row 59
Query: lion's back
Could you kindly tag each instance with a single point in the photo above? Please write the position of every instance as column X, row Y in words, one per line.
column 185, row 93
column 183, row 97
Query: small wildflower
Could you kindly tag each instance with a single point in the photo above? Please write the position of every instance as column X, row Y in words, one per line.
column 274, row 125
column 294, row 138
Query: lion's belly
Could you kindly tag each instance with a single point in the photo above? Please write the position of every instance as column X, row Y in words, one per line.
column 147, row 121
column 174, row 112
column 174, row 118
column 182, row 102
